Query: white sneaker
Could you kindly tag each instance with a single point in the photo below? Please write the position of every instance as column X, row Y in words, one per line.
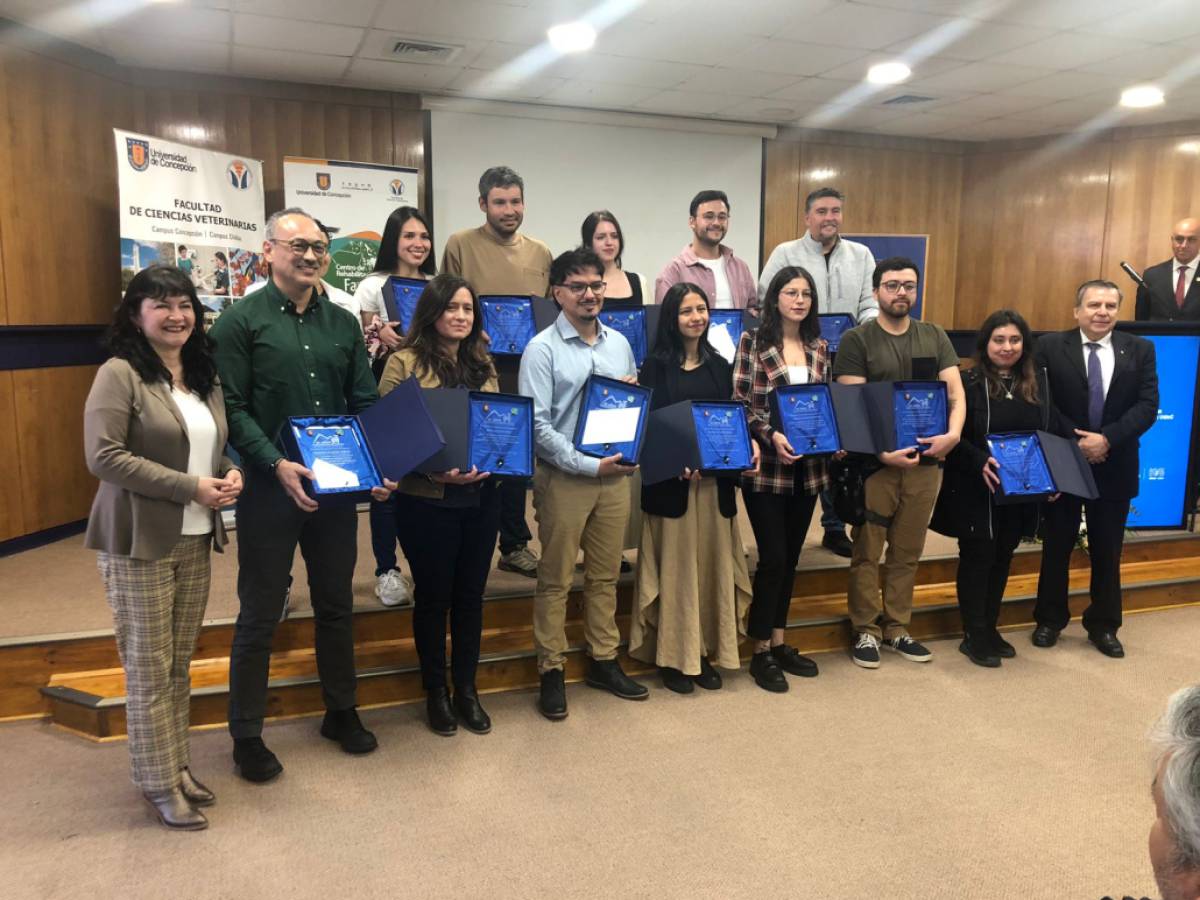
column 393, row 588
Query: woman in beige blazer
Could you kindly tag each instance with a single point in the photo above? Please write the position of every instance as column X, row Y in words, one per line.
column 154, row 434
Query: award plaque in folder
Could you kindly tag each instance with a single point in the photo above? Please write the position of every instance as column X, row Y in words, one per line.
column 833, row 326
column 400, row 299
column 612, row 418
column 335, row 448
column 500, row 429
column 708, row 436
column 805, row 414
column 1035, row 465
column 631, row 323
column 920, row 411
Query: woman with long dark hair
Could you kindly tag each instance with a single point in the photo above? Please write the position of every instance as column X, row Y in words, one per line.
column 447, row 522
column 601, row 232
column 787, row 348
column 1006, row 391
column 154, row 434
column 406, row 251
column 693, row 588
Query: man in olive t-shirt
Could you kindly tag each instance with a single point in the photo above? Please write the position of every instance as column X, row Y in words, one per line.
column 496, row 259
column 900, row 496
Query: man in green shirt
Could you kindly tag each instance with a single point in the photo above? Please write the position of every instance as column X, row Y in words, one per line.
column 287, row 351
column 900, row 496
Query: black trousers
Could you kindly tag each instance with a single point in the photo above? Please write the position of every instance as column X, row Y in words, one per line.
column 514, row 530
column 269, row 527
column 780, row 524
column 383, row 534
column 983, row 565
column 1106, row 537
column 450, row 552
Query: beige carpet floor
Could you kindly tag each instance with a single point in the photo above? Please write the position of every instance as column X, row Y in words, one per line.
column 935, row 781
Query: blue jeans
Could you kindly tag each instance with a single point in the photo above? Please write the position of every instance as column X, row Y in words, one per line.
column 829, row 516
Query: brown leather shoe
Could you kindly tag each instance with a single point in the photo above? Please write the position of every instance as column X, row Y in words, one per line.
column 173, row 810
column 195, row 793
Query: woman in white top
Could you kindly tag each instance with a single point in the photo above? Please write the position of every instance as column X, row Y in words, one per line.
column 406, row 251
column 154, row 434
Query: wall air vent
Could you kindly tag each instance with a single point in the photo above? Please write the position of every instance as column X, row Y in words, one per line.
column 408, row 50
column 904, row 99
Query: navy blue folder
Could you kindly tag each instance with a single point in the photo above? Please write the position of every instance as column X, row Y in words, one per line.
column 511, row 321
column 783, row 401
column 1070, row 470
column 339, row 441
column 673, row 441
column 833, row 326
column 637, row 322
column 603, row 393
column 401, row 431
column 451, row 409
column 880, row 407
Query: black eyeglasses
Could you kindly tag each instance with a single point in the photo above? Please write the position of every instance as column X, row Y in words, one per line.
column 299, row 246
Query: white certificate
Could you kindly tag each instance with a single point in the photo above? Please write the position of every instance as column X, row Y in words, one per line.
column 329, row 477
column 611, row 426
column 722, row 342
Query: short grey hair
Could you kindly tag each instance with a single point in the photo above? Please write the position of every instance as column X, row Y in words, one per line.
column 273, row 222
column 1177, row 736
column 1097, row 284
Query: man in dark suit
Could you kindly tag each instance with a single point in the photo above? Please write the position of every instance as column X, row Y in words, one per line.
column 1105, row 383
column 1172, row 289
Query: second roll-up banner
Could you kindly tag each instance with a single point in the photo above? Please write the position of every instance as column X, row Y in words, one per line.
column 352, row 200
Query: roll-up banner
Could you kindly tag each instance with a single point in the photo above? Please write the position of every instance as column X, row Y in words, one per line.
column 197, row 209
column 352, row 200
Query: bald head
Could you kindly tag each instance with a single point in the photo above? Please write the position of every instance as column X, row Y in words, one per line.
column 1185, row 239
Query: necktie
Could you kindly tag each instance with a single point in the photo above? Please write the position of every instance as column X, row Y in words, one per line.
column 1181, row 286
column 1095, row 387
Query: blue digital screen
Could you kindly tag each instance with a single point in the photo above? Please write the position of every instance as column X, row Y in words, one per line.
column 1163, row 455
column 914, row 246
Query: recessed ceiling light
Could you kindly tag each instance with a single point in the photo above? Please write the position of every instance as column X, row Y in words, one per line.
column 1141, row 96
column 572, row 37
column 888, row 73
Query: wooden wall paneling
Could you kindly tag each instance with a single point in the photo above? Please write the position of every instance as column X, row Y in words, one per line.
column 976, row 223
column 897, row 190
column 56, row 487
column 12, row 518
column 783, row 207
column 1155, row 183
column 408, row 144
column 59, row 210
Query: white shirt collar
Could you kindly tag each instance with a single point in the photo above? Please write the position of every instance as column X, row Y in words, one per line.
column 1105, row 341
column 1176, row 265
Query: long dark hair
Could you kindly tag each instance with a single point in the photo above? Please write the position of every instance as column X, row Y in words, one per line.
column 387, row 258
column 1026, row 382
column 126, row 341
column 668, row 341
column 474, row 364
column 592, row 222
column 770, row 331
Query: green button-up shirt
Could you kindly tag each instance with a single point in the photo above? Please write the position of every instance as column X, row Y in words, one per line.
column 275, row 363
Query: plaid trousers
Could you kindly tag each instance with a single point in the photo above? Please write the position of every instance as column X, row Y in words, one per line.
column 158, row 606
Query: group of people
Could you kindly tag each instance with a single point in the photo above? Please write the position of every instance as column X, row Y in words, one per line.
column 162, row 409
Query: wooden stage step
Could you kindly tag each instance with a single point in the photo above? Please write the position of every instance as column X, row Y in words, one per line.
column 82, row 685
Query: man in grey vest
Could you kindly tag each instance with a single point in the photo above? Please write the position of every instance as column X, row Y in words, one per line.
column 841, row 272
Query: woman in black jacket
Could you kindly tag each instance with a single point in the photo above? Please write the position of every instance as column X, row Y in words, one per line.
column 693, row 587
column 1005, row 392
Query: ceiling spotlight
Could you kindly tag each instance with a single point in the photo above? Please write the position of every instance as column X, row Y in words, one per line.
column 1141, row 96
column 888, row 73
column 573, row 37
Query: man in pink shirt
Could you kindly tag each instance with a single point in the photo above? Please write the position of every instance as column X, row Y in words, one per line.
column 705, row 262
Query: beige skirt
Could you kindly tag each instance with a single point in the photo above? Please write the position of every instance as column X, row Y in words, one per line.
column 693, row 588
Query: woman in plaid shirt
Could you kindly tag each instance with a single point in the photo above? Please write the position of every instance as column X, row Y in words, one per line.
column 787, row 348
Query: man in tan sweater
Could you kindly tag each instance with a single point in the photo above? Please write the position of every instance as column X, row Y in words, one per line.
column 496, row 259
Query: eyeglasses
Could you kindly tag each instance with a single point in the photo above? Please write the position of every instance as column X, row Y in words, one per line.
column 894, row 287
column 579, row 288
column 722, row 218
column 299, row 246
column 793, row 294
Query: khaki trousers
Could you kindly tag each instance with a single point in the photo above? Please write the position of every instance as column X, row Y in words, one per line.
column 157, row 608
column 906, row 496
column 573, row 512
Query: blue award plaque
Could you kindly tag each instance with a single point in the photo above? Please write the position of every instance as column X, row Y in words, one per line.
column 509, row 323
column 833, row 326
column 404, row 294
column 722, row 436
column 725, row 327
column 500, row 434
column 920, row 411
column 1024, row 471
column 632, row 324
column 805, row 414
column 612, row 418
column 336, row 450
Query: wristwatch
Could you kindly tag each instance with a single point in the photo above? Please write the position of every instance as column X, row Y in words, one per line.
column 275, row 464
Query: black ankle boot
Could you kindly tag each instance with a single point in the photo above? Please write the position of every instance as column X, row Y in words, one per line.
column 441, row 714
column 977, row 647
column 466, row 704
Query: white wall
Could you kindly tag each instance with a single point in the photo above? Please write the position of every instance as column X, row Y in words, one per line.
column 572, row 165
